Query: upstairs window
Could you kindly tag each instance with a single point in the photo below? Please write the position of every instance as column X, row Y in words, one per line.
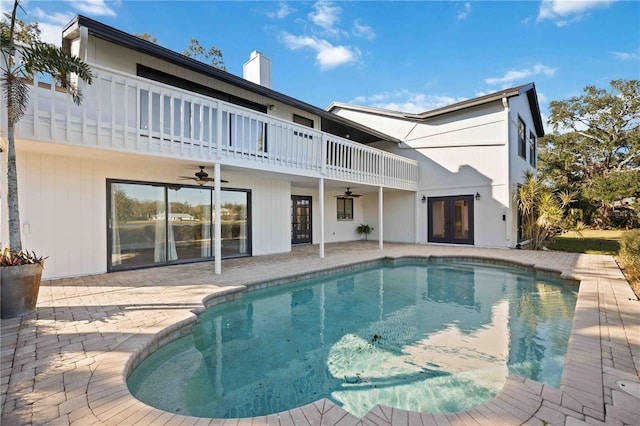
column 345, row 208
column 532, row 149
column 298, row 119
column 522, row 139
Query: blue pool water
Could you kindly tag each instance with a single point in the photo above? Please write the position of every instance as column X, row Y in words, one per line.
column 430, row 337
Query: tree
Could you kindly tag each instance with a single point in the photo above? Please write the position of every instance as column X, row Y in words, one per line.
column 543, row 212
column 148, row 37
column 213, row 55
column 194, row 50
column 600, row 146
column 23, row 32
column 22, row 59
column 605, row 124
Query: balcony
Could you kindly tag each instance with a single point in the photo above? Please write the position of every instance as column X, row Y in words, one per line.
column 125, row 113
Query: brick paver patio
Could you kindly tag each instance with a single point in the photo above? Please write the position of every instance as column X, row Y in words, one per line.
column 67, row 362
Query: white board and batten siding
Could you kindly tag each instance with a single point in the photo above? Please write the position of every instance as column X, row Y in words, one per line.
column 66, row 218
column 460, row 153
column 271, row 216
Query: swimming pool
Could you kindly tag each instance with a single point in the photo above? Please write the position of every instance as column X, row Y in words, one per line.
column 422, row 336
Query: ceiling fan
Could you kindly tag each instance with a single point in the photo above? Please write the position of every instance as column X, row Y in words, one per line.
column 349, row 194
column 201, row 177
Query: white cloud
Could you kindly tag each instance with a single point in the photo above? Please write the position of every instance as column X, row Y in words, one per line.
column 542, row 98
column 326, row 16
column 365, row 31
column 626, row 56
column 406, row 101
column 328, row 56
column 51, row 24
column 518, row 75
column 566, row 12
column 93, row 7
column 466, row 10
column 323, row 24
column 283, row 11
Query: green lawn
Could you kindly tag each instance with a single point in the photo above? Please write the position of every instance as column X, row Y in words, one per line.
column 594, row 242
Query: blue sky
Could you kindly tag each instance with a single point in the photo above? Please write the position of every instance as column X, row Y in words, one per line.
column 403, row 55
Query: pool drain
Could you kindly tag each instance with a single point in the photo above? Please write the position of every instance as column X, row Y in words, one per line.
column 632, row 388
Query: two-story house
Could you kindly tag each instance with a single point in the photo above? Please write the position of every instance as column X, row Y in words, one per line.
column 170, row 160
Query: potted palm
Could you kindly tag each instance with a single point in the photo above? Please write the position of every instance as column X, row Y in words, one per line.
column 24, row 56
column 364, row 230
column 20, row 275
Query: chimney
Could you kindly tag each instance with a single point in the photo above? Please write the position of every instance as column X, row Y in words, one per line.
column 258, row 69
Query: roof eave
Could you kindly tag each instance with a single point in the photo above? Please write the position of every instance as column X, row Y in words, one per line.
column 528, row 89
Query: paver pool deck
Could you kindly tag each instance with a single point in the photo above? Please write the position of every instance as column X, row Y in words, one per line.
column 67, row 362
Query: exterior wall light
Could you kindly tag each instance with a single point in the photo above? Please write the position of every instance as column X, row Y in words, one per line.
column 477, row 196
column 424, row 198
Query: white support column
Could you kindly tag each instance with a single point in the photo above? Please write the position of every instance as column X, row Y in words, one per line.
column 321, row 196
column 380, row 219
column 217, row 231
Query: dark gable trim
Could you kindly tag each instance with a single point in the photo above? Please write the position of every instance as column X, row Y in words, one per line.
column 535, row 110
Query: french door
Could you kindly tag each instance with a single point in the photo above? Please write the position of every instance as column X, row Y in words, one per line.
column 300, row 219
column 451, row 219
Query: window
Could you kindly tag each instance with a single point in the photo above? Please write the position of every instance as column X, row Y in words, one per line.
column 345, row 208
column 298, row 119
column 532, row 149
column 522, row 141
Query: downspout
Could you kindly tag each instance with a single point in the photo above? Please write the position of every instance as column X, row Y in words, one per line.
column 508, row 210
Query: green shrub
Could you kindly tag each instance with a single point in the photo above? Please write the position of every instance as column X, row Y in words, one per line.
column 630, row 255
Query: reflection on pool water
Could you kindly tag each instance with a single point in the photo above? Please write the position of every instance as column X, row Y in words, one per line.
column 429, row 337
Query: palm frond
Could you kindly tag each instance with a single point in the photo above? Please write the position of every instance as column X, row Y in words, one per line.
column 16, row 95
column 52, row 60
column 567, row 197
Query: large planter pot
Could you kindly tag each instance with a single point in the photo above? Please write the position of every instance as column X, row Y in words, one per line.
column 19, row 286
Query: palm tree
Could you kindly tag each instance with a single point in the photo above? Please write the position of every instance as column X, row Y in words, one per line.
column 542, row 211
column 20, row 61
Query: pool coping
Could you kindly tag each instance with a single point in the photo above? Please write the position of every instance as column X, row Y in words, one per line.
column 602, row 350
column 520, row 388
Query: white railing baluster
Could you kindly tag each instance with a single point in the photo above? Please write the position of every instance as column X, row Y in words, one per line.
column 113, row 108
column 138, row 116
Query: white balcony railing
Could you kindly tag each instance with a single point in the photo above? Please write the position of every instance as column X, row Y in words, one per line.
column 121, row 112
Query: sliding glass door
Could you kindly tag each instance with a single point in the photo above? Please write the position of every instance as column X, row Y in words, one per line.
column 155, row 224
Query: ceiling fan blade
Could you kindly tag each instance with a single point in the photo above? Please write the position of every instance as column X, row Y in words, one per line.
column 210, row 179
